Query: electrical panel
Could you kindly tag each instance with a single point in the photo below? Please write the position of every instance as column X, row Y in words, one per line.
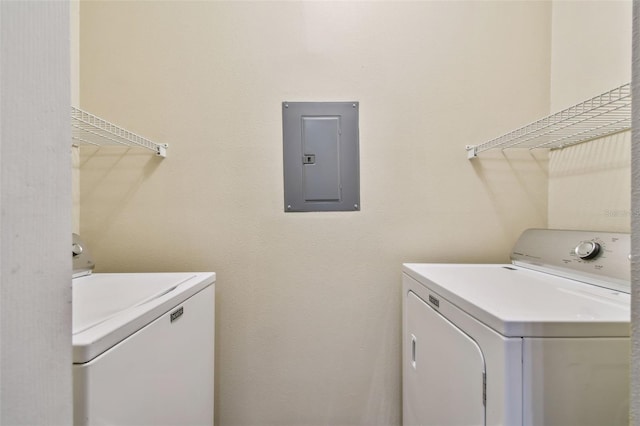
column 321, row 156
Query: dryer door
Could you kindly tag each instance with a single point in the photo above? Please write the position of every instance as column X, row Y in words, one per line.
column 443, row 370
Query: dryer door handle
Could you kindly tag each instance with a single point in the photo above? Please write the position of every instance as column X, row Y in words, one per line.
column 413, row 351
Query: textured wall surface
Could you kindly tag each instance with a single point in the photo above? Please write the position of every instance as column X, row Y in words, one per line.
column 635, row 227
column 35, row 224
column 308, row 304
column 589, row 184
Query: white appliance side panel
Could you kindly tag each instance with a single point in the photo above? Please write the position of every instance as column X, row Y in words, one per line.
column 161, row 375
column 576, row 382
column 444, row 370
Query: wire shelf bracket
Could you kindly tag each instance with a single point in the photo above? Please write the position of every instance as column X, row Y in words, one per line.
column 600, row 116
column 88, row 129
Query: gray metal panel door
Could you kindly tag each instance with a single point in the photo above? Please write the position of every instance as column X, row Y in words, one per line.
column 321, row 165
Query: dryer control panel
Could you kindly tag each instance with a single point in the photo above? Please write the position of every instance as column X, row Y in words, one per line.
column 594, row 257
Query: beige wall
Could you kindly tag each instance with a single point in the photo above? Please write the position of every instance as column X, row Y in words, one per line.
column 589, row 184
column 635, row 228
column 74, row 36
column 308, row 305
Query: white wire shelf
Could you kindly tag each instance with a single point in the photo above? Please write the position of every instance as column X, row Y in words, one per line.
column 88, row 129
column 595, row 118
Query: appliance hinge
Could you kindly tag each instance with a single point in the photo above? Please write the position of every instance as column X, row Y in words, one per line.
column 484, row 388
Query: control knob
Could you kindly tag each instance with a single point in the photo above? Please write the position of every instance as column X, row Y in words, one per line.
column 588, row 250
column 76, row 249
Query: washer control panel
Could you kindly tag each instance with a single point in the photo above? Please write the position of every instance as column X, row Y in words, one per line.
column 595, row 257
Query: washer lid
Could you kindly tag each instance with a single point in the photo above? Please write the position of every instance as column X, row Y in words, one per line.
column 519, row 302
column 107, row 308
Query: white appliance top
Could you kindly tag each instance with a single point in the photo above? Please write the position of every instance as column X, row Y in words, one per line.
column 560, row 284
column 107, row 308
column 519, row 302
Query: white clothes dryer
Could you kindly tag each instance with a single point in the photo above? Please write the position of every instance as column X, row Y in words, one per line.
column 541, row 341
column 143, row 346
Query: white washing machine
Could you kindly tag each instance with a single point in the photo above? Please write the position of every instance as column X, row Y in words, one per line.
column 143, row 347
column 541, row 341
